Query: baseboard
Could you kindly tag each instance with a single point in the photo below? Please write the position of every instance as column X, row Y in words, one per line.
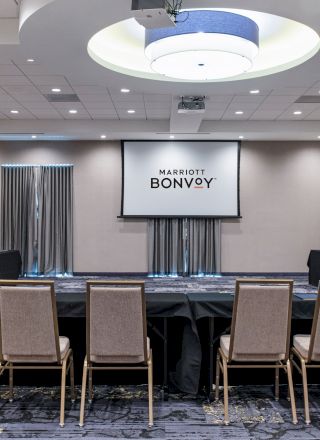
column 293, row 274
column 110, row 274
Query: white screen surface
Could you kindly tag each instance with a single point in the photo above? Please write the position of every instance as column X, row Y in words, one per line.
column 180, row 178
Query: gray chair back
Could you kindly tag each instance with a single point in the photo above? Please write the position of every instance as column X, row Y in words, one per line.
column 29, row 327
column 116, row 322
column 261, row 320
column 314, row 347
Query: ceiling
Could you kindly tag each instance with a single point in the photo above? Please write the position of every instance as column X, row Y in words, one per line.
column 54, row 33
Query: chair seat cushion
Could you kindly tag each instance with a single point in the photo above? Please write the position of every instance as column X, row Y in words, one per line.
column 247, row 357
column 33, row 358
column 301, row 343
column 120, row 359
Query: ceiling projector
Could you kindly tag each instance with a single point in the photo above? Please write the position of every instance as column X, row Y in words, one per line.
column 192, row 105
column 152, row 14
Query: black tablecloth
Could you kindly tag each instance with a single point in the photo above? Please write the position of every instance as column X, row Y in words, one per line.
column 192, row 306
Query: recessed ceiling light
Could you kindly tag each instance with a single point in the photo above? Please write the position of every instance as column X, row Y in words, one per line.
column 103, row 136
column 297, row 112
column 30, row 60
column 241, row 137
column 255, row 92
column 125, row 90
column 318, row 137
column 171, row 136
column 73, row 112
column 34, row 136
column 15, row 112
column 55, row 90
column 239, row 112
column 131, row 111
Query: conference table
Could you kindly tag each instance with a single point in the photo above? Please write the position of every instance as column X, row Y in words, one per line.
column 192, row 302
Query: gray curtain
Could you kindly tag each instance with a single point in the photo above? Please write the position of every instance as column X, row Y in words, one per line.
column 184, row 246
column 55, row 237
column 18, row 212
column 201, row 246
column 165, row 239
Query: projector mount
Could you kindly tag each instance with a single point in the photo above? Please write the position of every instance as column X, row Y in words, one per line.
column 191, row 104
column 173, row 8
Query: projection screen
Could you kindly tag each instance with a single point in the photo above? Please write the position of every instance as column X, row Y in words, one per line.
column 180, row 179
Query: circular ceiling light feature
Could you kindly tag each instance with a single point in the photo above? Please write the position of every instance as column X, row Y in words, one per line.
column 171, row 136
column 297, row 112
column 131, row 111
column 283, row 44
column 203, row 45
column 255, row 92
column 30, row 60
column 103, row 136
column 14, row 112
column 56, row 90
column 238, row 112
column 125, row 90
column 73, row 112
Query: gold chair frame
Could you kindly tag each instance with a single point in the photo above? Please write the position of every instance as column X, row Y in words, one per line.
column 226, row 362
column 89, row 366
column 65, row 364
column 306, row 363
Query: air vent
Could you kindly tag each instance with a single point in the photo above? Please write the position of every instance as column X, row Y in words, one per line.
column 179, row 133
column 60, row 97
column 308, row 99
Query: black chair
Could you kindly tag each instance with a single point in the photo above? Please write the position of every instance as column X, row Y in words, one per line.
column 10, row 265
column 314, row 267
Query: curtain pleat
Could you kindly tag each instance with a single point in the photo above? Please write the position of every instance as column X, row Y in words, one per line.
column 183, row 246
column 201, row 246
column 55, row 237
column 18, row 213
column 165, row 246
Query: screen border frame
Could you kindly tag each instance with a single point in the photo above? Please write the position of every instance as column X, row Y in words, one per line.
column 180, row 216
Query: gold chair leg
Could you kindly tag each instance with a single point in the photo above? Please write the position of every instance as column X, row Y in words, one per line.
column 291, row 391
column 225, row 391
column 63, row 391
column 276, row 386
column 10, row 382
column 83, row 391
column 150, row 389
column 90, row 387
column 305, row 392
column 73, row 393
column 217, row 377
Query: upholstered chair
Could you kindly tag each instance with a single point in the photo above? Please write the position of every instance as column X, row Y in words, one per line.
column 116, row 333
column 29, row 335
column 306, row 350
column 260, row 332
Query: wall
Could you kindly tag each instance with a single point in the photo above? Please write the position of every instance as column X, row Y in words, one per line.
column 102, row 243
column 280, row 206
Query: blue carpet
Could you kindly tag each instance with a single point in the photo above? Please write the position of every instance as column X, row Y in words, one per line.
column 121, row 413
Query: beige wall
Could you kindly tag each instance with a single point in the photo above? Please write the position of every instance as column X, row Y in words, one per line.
column 280, row 206
column 102, row 243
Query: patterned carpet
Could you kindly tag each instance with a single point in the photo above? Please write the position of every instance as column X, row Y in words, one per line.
column 121, row 413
